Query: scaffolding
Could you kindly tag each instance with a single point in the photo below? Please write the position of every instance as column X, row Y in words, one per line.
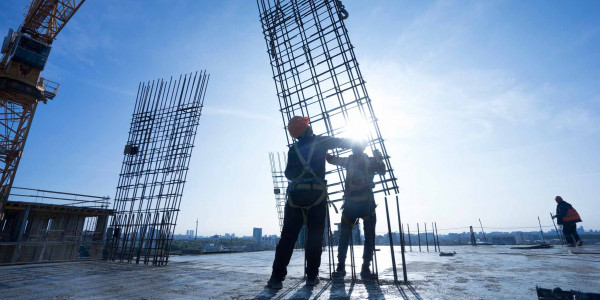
column 279, row 184
column 155, row 165
column 317, row 75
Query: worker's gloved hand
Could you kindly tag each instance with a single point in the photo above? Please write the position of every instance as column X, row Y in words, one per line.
column 554, row 217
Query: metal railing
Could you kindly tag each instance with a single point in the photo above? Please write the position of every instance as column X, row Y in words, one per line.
column 21, row 194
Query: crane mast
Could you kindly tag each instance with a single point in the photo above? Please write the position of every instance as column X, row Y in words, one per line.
column 24, row 56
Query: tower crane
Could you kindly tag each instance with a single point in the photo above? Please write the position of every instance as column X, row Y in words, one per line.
column 24, row 55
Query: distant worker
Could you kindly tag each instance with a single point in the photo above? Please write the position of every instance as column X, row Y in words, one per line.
column 306, row 199
column 359, row 202
column 568, row 217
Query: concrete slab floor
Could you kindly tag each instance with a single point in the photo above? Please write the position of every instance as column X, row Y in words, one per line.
column 482, row 272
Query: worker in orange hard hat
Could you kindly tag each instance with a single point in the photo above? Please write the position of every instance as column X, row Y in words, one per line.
column 306, row 199
column 568, row 217
column 297, row 126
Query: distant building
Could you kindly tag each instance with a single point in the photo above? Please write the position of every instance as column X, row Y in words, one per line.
column 190, row 233
column 270, row 242
column 504, row 240
column 212, row 248
column 257, row 235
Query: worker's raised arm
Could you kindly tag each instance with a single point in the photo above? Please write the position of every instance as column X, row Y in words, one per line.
column 329, row 143
column 336, row 160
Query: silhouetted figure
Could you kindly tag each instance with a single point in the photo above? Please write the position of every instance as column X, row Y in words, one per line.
column 307, row 200
column 358, row 203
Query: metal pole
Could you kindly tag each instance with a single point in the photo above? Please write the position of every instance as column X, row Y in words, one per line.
column 438, row 237
column 556, row 228
column 434, row 242
column 419, row 237
column 484, row 237
column 329, row 242
column 426, row 238
column 387, row 213
column 401, row 242
column 409, row 241
column 352, row 262
column 541, row 231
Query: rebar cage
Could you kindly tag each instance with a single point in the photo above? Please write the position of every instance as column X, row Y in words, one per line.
column 317, row 75
column 279, row 184
column 155, row 165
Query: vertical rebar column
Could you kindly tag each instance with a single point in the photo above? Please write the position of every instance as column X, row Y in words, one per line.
column 155, row 165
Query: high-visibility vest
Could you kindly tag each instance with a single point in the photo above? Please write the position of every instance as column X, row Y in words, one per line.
column 571, row 215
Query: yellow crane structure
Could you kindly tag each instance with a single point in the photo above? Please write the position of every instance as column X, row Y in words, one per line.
column 24, row 55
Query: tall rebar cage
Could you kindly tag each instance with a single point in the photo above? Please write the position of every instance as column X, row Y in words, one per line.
column 280, row 184
column 155, row 165
column 317, row 75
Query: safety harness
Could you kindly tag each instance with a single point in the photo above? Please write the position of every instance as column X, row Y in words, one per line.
column 300, row 184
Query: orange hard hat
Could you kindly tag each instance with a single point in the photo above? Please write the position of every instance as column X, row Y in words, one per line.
column 297, row 126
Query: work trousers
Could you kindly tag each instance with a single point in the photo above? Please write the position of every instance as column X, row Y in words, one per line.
column 369, row 227
column 292, row 224
column 570, row 233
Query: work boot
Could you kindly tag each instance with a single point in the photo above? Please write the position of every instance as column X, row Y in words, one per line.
column 580, row 243
column 275, row 284
column 312, row 281
column 365, row 271
column 340, row 272
column 571, row 245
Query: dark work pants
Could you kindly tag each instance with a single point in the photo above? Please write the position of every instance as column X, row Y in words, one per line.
column 292, row 224
column 570, row 232
column 346, row 231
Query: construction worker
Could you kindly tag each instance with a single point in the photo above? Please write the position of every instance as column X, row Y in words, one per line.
column 358, row 203
column 306, row 199
column 568, row 217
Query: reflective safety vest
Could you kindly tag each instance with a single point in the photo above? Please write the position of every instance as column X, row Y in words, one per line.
column 571, row 216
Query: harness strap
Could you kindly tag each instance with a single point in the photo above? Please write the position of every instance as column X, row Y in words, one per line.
column 306, row 162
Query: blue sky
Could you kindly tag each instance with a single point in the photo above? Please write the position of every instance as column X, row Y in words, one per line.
column 489, row 109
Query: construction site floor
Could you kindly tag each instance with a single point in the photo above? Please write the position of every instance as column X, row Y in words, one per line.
column 481, row 272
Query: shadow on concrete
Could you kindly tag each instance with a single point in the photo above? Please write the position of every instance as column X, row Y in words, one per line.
column 304, row 292
column 338, row 289
column 268, row 293
column 373, row 289
column 402, row 288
